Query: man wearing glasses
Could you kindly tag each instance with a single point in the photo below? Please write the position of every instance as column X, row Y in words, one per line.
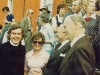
column 26, row 24
column 12, row 53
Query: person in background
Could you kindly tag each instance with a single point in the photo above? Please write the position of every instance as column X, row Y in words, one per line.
column 9, row 19
column 57, row 20
column 91, row 19
column 76, row 8
column 58, row 53
column 12, row 53
column 26, row 24
column 44, row 9
column 92, row 27
column 48, row 32
column 37, row 58
column 80, row 58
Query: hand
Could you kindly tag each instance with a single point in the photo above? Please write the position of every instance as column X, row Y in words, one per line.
column 37, row 71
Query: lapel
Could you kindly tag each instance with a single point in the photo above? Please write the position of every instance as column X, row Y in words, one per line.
column 71, row 50
column 65, row 47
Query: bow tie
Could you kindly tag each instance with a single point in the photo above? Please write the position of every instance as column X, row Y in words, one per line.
column 87, row 19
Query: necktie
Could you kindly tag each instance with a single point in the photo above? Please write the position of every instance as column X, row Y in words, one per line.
column 56, row 49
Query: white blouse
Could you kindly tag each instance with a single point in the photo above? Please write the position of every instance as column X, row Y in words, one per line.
column 35, row 61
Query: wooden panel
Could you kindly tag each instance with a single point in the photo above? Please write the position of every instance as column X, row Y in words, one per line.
column 18, row 9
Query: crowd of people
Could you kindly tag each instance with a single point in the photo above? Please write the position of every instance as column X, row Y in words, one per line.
column 65, row 44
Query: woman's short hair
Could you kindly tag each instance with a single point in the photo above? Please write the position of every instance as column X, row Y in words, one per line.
column 44, row 17
column 59, row 7
column 13, row 27
column 85, row 5
column 36, row 35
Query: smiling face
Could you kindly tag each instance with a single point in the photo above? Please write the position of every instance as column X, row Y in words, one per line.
column 91, row 8
column 16, row 36
column 37, row 44
column 62, row 11
column 76, row 6
column 61, row 34
column 69, row 27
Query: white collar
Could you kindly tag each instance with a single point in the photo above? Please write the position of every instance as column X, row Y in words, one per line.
column 76, row 39
column 13, row 43
column 63, row 43
column 92, row 16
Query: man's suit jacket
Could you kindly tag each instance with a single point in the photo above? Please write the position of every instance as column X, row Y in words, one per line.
column 25, row 24
column 79, row 60
column 55, row 61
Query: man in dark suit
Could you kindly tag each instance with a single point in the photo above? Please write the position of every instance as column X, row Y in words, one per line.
column 80, row 58
column 56, row 57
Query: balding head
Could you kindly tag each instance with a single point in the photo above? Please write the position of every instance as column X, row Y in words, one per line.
column 76, row 18
column 74, row 25
column 29, row 11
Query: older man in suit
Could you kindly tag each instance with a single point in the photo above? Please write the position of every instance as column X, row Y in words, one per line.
column 26, row 24
column 58, row 54
column 80, row 59
column 76, row 8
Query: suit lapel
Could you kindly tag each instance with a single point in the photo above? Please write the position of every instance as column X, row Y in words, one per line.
column 65, row 47
column 69, row 53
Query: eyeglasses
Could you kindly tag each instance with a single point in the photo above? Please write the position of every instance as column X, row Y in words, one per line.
column 16, row 33
column 39, row 42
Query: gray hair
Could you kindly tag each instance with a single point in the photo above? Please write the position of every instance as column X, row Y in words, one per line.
column 78, row 18
column 80, row 1
column 28, row 11
column 44, row 17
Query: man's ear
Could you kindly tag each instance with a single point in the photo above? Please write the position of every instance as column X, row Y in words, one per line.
column 76, row 25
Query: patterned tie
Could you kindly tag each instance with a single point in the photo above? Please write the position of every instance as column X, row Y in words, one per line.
column 56, row 49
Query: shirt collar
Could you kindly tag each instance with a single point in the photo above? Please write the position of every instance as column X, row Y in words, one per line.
column 63, row 43
column 41, row 53
column 79, row 13
column 92, row 16
column 76, row 39
column 38, row 53
column 13, row 43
